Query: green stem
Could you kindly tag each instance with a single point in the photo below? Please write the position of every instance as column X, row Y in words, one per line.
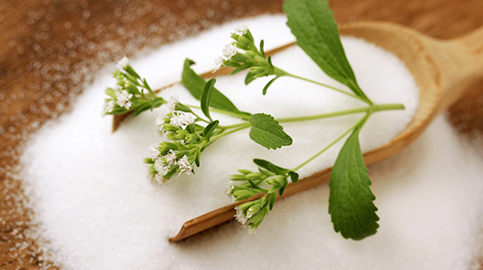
column 244, row 117
column 233, row 126
column 327, row 86
column 216, row 137
column 369, row 109
column 373, row 108
column 363, row 120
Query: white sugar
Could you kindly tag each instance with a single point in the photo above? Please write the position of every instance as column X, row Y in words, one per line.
column 99, row 210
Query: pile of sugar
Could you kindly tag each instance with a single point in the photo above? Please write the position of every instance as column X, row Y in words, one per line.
column 98, row 209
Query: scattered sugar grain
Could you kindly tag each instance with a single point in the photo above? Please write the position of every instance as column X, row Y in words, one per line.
column 99, row 210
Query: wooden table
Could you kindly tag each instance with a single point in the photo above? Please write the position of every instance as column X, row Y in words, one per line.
column 49, row 49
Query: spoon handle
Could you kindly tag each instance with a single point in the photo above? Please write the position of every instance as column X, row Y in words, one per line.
column 473, row 43
column 460, row 64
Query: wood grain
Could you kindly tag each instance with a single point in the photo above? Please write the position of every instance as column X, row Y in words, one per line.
column 49, row 49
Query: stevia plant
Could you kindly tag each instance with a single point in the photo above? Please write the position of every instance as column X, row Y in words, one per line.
column 131, row 93
column 351, row 205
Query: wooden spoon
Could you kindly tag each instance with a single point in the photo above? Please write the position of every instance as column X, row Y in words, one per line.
column 443, row 70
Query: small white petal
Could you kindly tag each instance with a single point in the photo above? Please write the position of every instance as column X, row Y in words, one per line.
column 184, row 165
column 124, row 99
column 159, row 166
column 159, row 178
column 170, row 157
column 240, row 216
column 241, row 30
column 218, row 63
column 229, row 51
column 154, row 151
column 251, row 231
column 172, row 102
column 182, row 119
column 160, row 123
column 117, row 88
column 110, row 106
column 122, row 64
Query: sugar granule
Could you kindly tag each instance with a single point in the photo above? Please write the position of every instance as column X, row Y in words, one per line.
column 99, row 210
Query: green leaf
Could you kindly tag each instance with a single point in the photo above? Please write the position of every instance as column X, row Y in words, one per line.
column 144, row 106
column 183, row 108
column 194, row 83
column 262, row 51
column 249, row 78
column 265, row 89
column 209, row 129
column 351, row 203
column 293, row 176
column 312, row 23
column 197, row 157
column 272, row 198
column 206, row 97
column 267, row 132
column 270, row 166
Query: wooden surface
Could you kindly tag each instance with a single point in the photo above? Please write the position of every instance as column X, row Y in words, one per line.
column 49, row 49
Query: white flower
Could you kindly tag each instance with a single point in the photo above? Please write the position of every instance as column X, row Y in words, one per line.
column 154, row 151
column 230, row 190
column 229, row 51
column 240, row 216
column 159, row 178
column 124, row 99
column 184, row 165
column 160, row 123
column 182, row 119
column 241, row 30
column 122, row 64
column 159, row 166
column 251, row 231
column 218, row 63
column 117, row 88
column 172, row 102
column 171, row 157
column 230, row 194
column 110, row 106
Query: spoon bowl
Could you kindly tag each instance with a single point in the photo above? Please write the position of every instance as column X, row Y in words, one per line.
column 443, row 71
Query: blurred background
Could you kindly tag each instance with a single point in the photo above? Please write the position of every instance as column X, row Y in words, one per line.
column 49, row 49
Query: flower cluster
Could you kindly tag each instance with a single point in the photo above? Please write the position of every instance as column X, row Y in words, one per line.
column 131, row 92
column 165, row 161
column 189, row 139
column 269, row 180
column 243, row 54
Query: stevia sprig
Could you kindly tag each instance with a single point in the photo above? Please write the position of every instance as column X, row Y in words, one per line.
column 270, row 180
column 243, row 54
column 131, row 93
column 351, row 204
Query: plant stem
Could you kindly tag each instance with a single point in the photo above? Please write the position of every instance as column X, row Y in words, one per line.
column 244, row 117
column 368, row 109
column 327, row 86
column 233, row 126
column 216, row 137
column 363, row 120
column 373, row 108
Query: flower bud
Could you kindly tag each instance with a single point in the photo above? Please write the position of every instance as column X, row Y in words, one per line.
column 191, row 138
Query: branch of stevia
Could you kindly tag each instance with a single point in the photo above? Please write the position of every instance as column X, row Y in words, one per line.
column 362, row 121
column 369, row 109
